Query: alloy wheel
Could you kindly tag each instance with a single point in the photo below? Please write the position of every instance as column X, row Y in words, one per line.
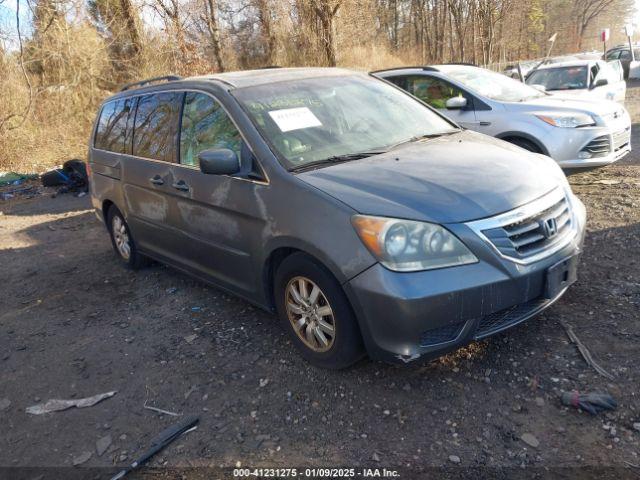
column 310, row 314
column 121, row 237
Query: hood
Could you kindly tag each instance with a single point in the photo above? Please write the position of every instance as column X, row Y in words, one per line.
column 563, row 101
column 449, row 179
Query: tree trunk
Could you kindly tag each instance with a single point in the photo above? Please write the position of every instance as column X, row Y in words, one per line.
column 214, row 32
column 132, row 28
column 264, row 17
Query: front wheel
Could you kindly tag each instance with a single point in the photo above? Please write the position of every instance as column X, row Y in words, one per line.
column 316, row 314
column 524, row 143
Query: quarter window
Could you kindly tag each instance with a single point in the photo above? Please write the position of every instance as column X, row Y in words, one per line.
column 205, row 125
column 111, row 133
column 155, row 126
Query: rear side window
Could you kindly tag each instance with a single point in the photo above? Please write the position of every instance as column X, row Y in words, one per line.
column 205, row 125
column 111, row 133
column 155, row 128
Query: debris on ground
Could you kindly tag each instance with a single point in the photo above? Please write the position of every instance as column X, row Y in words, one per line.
column 190, row 338
column 4, row 404
column 102, row 444
column 454, row 459
column 584, row 351
column 71, row 177
column 530, row 440
column 13, row 178
column 55, row 405
column 82, row 458
column 161, row 441
column 593, row 403
column 160, row 410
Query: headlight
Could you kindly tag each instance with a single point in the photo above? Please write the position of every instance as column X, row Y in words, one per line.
column 568, row 120
column 407, row 246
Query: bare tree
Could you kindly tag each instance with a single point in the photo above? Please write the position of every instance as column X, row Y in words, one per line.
column 211, row 20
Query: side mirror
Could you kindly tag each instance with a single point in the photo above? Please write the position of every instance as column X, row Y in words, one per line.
column 540, row 88
column 601, row 82
column 219, row 161
column 456, row 103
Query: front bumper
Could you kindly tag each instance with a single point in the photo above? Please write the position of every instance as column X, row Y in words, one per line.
column 423, row 315
column 597, row 161
column 568, row 148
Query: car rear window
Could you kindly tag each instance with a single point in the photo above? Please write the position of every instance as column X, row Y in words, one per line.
column 156, row 125
column 111, row 134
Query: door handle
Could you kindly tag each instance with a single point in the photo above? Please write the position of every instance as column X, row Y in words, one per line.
column 157, row 180
column 180, row 185
column 485, row 124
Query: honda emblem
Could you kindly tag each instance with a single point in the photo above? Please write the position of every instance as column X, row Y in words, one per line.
column 550, row 227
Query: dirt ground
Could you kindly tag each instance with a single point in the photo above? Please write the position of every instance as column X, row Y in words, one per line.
column 73, row 323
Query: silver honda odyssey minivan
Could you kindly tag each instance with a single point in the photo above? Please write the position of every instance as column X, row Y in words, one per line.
column 367, row 221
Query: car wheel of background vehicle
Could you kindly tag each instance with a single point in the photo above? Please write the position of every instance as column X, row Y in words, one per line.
column 524, row 143
column 316, row 313
column 122, row 240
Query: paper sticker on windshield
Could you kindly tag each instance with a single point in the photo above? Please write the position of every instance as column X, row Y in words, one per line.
column 289, row 119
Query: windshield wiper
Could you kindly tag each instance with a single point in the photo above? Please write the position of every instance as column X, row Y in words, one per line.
column 337, row 159
column 417, row 138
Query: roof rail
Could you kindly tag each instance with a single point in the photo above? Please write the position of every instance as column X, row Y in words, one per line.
column 408, row 67
column 468, row 64
column 165, row 78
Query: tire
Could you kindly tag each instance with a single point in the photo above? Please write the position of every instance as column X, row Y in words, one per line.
column 524, row 143
column 122, row 241
column 344, row 346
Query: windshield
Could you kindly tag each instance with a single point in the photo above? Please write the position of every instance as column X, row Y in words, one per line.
column 491, row 84
column 316, row 119
column 560, row 78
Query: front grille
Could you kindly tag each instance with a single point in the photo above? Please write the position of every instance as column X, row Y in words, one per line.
column 621, row 139
column 533, row 234
column 507, row 317
column 441, row 334
column 599, row 147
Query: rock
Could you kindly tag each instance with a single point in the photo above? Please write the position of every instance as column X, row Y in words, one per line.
column 264, row 382
column 4, row 403
column 375, row 457
column 82, row 458
column 190, row 338
column 636, row 426
column 454, row 459
column 103, row 444
column 540, row 401
column 530, row 440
